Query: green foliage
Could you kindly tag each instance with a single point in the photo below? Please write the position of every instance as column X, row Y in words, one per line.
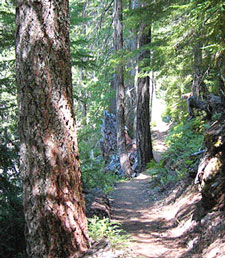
column 12, row 222
column 93, row 175
column 184, row 139
column 7, row 25
column 99, row 228
column 161, row 175
column 177, row 27
column 171, row 91
column 186, row 25
column 92, row 164
column 11, row 210
column 8, row 97
column 91, row 37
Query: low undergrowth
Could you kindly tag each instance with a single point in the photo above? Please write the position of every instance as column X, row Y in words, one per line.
column 93, row 175
column 185, row 145
column 101, row 228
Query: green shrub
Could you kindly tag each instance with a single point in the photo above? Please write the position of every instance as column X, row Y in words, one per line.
column 183, row 140
column 161, row 174
column 93, row 175
column 99, row 228
column 12, row 222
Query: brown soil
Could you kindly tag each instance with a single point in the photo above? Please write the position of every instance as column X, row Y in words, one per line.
column 166, row 224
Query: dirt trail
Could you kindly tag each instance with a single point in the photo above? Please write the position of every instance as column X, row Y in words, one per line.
column 148, row 216
column 148, row 222
column 159, row 134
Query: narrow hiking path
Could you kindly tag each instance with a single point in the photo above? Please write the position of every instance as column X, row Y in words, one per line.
column 145, row 219
column 148, row 215
column 159, row 134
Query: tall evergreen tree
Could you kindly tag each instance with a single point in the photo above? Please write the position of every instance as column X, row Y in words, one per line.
column 143, row 133
column 49, row 159
column 120, row 91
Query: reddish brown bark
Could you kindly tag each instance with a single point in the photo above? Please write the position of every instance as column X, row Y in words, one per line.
column 49, row 159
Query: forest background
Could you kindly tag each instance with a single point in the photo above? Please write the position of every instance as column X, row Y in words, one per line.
column 186, row 49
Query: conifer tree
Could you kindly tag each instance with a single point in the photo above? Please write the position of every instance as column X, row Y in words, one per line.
column 143, row 132
column 49, row 160
column 120, row 92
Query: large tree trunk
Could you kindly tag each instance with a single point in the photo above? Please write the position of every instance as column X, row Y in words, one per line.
column 143, row 132
column 120, row 92
column 49, row 160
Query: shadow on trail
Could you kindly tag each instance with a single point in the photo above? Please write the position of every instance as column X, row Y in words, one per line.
column 154, row 223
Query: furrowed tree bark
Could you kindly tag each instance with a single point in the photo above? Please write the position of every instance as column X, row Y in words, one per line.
column 120, row 92
column 143, row 132
column 49, row 160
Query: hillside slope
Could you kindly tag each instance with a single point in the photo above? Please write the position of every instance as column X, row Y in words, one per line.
column 164, row 225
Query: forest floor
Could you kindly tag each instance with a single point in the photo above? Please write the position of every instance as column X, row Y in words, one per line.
column 165, row 223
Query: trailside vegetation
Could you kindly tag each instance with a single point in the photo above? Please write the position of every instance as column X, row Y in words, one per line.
column 186, row 53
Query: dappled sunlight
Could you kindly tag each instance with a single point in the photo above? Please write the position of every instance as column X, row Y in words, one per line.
column 156, row 227
column 158, row 108
column 158, row 135
column 184, row 208
column 142, row 176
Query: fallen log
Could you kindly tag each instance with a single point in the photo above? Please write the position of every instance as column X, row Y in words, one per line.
column 213, row 104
